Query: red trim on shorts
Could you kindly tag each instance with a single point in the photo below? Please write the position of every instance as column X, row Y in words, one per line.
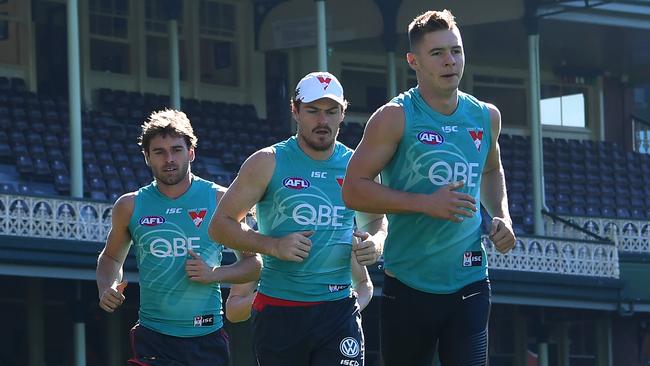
column 261, row 301
column 133, row 361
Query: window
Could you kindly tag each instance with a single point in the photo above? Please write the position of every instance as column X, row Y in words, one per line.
column 109, row 35
column 11, row 36
column 157, row 30
column 365, row 88
column 563, row 106
column 219, row 52
column 507, row 93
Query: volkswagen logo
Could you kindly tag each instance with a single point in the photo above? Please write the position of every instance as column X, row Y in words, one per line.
column 349, row 347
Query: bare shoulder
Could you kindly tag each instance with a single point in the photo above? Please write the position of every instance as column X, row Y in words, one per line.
column 495, row 114
column 123, row 207
column 387, row 121
column 260, row 162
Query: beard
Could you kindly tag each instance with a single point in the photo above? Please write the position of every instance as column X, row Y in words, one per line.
column 318, row 142
column 172, row 178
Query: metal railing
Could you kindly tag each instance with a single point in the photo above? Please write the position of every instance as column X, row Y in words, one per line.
column 556, row 256
column 54, row 218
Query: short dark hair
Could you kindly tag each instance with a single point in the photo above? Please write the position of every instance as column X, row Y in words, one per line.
column 428, row 22
column 168, row 122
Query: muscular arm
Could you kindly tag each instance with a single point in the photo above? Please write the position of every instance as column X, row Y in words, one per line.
column 112, row 257
column 493, row 191
column 228, row 225
column 378, row 145
column 361, row 283
column 380, row 140
column 493, row 183
column 240, row 301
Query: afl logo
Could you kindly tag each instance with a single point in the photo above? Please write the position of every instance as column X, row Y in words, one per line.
column 430, row 138
column 152, row 220
column 295, row 183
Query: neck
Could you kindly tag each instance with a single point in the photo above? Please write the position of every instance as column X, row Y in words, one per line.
column 176, row 190
column 442, row 101
column 315, row 154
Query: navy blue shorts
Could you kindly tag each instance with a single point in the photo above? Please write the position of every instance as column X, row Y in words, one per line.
column 151, row 348
column 413, row 323
column 325, row 334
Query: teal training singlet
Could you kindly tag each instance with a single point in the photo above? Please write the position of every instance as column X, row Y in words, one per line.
column 427, row 254
column 162, row 229
column 305, row 194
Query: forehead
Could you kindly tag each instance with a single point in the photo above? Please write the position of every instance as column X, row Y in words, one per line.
column 444, row 38
column 166, row 141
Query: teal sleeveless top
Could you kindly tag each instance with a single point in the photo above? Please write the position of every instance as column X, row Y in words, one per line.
column 162, row 230
column 427, row 254
column 303, row 195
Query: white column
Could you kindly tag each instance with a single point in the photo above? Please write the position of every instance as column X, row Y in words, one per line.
column 322, row 35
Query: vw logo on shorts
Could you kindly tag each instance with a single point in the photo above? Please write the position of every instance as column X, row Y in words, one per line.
column 349, row 347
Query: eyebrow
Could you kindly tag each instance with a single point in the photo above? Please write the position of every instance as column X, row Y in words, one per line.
column 163, row 149
column 444, row 48
column 322, row 109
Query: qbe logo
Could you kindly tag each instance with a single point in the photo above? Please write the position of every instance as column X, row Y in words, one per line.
column 349, row 347
column 176, row 247
column 430, row 138
column 295, row 183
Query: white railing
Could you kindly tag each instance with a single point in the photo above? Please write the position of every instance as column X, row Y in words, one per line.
column 632, row 236
column 557, row 256
column 54, row 218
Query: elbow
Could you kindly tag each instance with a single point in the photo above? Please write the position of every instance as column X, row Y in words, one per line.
column 236, row 316
column 213, row 229
column 349, row 196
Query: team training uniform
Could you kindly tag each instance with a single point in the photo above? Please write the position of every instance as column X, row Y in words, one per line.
column 180, row 321
column 440, row 290
column 304, row 313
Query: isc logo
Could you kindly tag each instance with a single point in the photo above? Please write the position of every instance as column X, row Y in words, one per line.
column 152, row 220
column 295, row 183
column 430, row 138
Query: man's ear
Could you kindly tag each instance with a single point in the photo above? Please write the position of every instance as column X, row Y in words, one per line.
column 192, row 155
column 412, row 60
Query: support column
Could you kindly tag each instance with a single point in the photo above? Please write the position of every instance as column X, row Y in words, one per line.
column 114, row 339
column 535, row 123
column 604, row 354
column 173, row 9
column 35, row 323
column 391, row 82
column 79, row 328
column 389, row 11
column 321, row 32
column 74, row 101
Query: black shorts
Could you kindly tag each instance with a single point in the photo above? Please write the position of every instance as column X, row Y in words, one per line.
column 413, row 323
column 325, row 334
column 151, row 348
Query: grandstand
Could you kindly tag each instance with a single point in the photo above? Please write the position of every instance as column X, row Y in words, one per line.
column 575, row 293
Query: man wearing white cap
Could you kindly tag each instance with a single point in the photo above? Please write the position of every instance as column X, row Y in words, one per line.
column 305, row 312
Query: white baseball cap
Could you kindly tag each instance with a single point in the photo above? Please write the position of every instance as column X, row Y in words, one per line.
column 318, row 85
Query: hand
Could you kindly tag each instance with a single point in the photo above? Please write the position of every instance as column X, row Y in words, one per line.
column 502, row 234
column 366, row 248
column 447, row 204
column 113, row 297
column 197, row 270
column 293, row 247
